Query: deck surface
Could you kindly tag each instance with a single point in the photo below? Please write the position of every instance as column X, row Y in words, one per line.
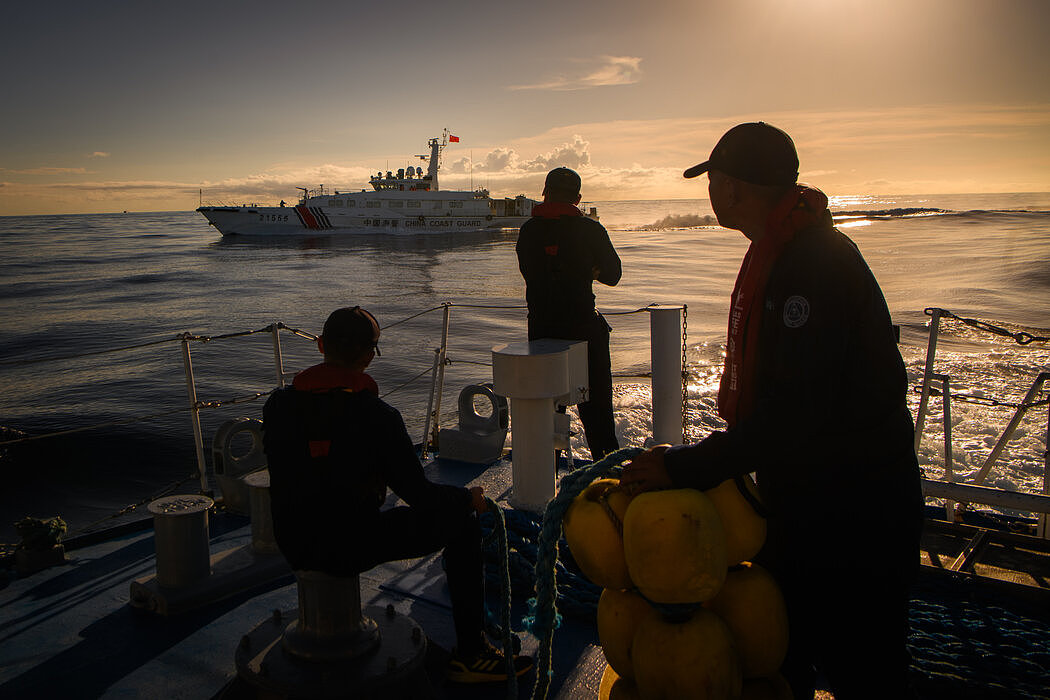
column 69, row 631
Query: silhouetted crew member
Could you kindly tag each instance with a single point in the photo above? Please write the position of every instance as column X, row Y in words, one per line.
column 560, row 253
column 814, row 396
column 333, row 448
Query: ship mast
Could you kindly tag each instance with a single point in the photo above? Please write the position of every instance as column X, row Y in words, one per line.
column 433, row 160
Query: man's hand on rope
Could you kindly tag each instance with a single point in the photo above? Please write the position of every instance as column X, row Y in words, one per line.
column 646, row 472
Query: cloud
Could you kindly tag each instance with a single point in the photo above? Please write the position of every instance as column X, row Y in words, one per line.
column 611, row 70
column 99, row 154
column 574, row 154
column 46, row 171
column 497, row 160
column 570, row 155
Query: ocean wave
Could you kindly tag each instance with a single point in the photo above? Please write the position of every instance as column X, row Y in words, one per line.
column 680, row 221
column 918, row 212
column 898, row 213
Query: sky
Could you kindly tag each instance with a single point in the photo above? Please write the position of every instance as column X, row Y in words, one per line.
column 135, row 105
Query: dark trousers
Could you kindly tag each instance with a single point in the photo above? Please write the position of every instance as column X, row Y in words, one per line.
column 596, row 414
column 405, row 532
column 847, row 588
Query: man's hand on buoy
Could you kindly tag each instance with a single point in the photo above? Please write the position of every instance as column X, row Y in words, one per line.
column 477, row 500
column 646, row 472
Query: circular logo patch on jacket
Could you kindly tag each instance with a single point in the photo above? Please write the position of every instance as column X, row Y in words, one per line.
column 796, row 311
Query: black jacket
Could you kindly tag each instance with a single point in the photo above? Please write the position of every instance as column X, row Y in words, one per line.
column 557, row 258
column 332, row 454
column 830, row 427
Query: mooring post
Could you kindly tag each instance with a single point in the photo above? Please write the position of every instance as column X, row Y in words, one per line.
column 665, row 330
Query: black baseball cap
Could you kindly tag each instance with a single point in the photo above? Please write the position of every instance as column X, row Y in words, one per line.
column 563, row 180
column 351, row 329
column 754, row 152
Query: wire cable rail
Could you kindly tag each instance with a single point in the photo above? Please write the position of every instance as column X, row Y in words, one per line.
column 272, row 328
column 926, row 389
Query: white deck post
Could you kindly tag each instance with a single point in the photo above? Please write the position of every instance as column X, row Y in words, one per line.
column 535, row 375
column 665, row 328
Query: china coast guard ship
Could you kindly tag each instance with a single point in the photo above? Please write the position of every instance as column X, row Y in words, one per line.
column 408, row 201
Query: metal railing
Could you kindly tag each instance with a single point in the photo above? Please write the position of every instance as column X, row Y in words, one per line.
column 957, row 494
column 194, row 405
column 952, row 491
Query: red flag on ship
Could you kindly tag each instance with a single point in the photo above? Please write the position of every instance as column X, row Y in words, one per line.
column 453, row 139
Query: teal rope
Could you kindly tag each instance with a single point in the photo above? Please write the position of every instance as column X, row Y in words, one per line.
column 545, row 618
column 499, row 531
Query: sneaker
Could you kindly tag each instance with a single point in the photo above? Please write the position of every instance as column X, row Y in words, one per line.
column 487, row 666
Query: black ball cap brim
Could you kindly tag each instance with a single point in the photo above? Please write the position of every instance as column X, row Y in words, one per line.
column 698, row 169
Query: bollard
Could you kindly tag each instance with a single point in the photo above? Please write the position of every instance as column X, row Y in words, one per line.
column 535, row 376
column 258, row 484
column 330, row 624
column 180, row 531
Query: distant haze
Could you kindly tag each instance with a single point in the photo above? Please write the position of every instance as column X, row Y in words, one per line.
column 135, row 106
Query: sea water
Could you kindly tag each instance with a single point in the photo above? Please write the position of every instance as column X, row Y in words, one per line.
column 94, row 305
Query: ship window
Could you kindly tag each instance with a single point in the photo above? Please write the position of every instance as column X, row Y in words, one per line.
column 437, row 205
column 373, row 204
column 455, row 205
column 335, row 202
column 413, row 204
column 396, row 204
column 350, row 203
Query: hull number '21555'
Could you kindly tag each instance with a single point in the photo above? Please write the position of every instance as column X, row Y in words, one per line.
column 283, row 218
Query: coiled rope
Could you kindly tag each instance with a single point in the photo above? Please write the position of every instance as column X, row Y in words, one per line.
column 544, row 616
column 499, row 536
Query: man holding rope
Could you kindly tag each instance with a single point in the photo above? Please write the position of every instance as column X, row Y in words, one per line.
column 813, row 395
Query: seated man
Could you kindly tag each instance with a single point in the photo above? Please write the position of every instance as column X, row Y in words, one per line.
column 333, row 448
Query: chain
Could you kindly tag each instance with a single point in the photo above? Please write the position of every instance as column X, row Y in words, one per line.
column 685, row 371
column 1021, row 337
column 983, row 401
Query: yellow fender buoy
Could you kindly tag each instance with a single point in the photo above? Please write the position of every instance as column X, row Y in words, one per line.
column 675, row 546
column 695, row 659
column 745, row 529
column 615, row 687
column 619, row 614
column 752, row 605
column 593, row 524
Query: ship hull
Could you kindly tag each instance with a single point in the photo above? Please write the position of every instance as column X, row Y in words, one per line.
column 310, row 221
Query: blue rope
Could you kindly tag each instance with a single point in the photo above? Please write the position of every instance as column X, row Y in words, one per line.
column 544, row 617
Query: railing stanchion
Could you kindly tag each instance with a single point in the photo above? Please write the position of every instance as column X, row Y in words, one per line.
column 949, row 475
column 665, row 332
column 278, row 358
column 1043, row 528
column 435, row 426
column 430, row 403
column 195, row 418
column 927, row 375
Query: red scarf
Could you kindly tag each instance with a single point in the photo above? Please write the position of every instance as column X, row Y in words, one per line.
column 324, row 377
column 799, row 209
column 554, row 210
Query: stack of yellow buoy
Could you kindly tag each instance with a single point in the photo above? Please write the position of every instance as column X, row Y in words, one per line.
column 683, row 613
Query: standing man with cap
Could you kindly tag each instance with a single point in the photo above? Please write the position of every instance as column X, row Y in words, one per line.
column 560, row 253
column 813, row 395
column 333, row 448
